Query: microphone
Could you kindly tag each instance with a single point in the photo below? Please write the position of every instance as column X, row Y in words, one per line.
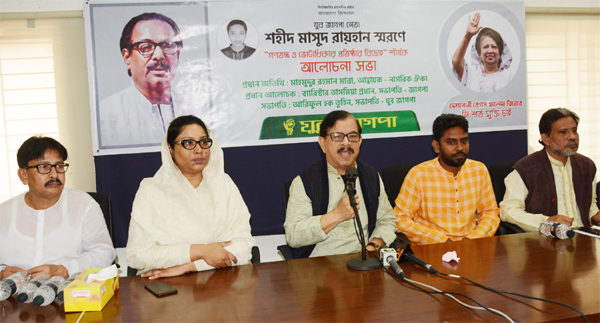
column 351, row 175
column 362, row 263
column 402, row 247
column 412, row 258
column 388, row 257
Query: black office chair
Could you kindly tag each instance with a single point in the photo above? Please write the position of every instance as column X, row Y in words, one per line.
column 255, row 255
column 286, row 250
column 104, row 201
column 598, row 192
column 131, row 271
column 498, row 173
column 393, row 177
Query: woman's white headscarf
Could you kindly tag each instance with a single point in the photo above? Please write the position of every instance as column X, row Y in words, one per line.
column 169, row 215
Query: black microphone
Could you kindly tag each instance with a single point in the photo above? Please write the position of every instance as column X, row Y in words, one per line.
column 412, row 258
column 351, row 175
column 402, row 247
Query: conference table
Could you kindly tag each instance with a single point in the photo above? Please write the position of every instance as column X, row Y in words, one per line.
column 324, row 289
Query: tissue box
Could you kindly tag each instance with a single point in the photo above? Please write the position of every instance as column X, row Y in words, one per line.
column 80, row 296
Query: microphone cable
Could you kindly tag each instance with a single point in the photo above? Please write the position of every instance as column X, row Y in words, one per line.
column 360, row 235
column 450, row 295
column 510, row 293
column 516, row 294
column 447, row 294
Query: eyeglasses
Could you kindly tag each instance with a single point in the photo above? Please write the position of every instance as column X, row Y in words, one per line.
column 339, row 136
column 190, row 144
column 47, row 168
column 147, row 47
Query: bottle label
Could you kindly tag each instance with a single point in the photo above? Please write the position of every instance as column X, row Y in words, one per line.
column 54, row 287
column 36, row 283
column 553, row 229
column 12, row 285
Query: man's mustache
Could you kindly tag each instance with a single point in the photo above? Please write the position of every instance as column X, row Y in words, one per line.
column 459, row 154
column 350, row 149
column 159, row 64
column 54, row 180
column 572, row 142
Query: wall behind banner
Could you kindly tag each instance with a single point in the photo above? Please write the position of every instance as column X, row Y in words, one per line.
column 259, row 171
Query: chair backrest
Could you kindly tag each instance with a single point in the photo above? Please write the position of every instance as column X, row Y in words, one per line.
column 598, row 192
column 393, row 177
column 255, row 255
column 498, row 173
column 105, row 206
column 131, row 271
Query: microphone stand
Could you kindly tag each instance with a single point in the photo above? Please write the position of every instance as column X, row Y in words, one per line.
column 362, row 263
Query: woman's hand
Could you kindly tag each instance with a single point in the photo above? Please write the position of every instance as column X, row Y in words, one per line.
column 214, row 254
column 459, row 55
column 473, row 25
column 171, row 271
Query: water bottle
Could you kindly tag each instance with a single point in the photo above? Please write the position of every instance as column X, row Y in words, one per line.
column 26, row 292
column 60, row 293
column 11, row 285
column 47, row 293
column 556, row 230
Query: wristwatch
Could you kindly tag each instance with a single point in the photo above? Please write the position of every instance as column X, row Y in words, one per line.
column 373, row 244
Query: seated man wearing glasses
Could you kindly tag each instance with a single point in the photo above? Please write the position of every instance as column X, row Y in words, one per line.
column 450, row 197
column 140, row 114
column 50, row 229
column 319, row 217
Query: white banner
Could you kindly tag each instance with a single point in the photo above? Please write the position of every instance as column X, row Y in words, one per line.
column 266, row 72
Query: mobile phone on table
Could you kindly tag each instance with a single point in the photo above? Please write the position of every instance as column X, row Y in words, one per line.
column 160, row 289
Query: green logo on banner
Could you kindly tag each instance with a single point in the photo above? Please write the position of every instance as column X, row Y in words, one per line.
column 308, row 125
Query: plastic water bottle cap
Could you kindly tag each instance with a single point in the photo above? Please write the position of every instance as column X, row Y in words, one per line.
column 60, row 296
column 22, row 297
column 570, row 233
column 38, row 300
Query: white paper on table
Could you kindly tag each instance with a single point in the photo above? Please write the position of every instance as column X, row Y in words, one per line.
column 449, row 256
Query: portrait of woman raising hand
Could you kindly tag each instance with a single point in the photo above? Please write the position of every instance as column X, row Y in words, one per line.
column 490, row 59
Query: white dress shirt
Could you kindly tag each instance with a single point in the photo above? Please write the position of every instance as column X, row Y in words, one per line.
column 71, row 233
